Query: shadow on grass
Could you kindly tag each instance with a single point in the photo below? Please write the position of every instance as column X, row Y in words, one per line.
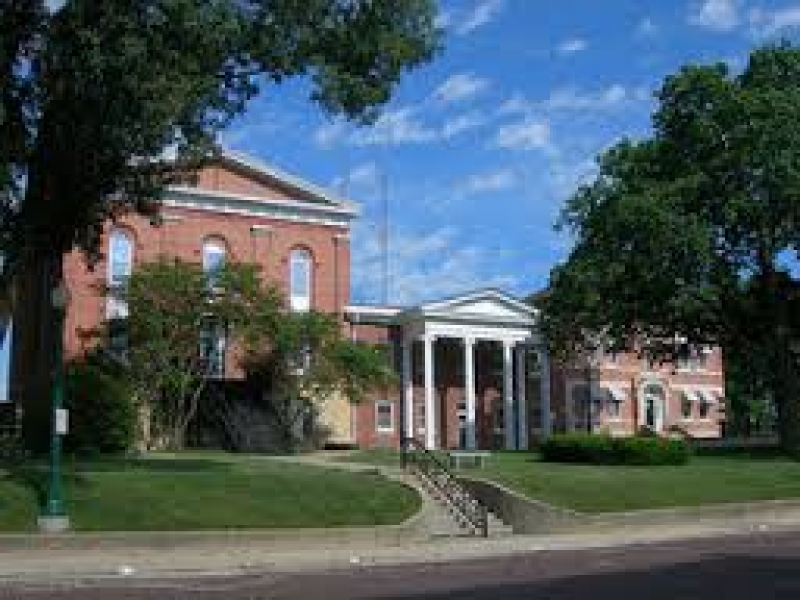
column 35, row 474
column 36, row 477
column 172, row 465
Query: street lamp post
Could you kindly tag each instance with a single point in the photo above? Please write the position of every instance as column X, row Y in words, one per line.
column 54, row 517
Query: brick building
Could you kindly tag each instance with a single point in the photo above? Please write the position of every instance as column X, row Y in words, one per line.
column 473, row 369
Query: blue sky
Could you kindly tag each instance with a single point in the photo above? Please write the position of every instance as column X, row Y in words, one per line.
column 479, row 149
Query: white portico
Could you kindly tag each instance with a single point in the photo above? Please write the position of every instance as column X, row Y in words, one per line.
column 468, row 320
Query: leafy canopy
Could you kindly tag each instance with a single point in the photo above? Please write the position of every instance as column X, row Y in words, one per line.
column 95, row 96
column 689, row 232
column 692, row 236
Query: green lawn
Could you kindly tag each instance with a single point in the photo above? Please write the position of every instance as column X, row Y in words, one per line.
column 594, row 489
column 206, row 492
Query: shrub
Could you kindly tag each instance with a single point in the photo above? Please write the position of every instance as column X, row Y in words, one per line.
column 102, row 415
column 604, row 450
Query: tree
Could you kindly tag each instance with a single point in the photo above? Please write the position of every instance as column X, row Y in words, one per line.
column 301, row 361
column 95, row 95
column 690, row 236
column 179, row 329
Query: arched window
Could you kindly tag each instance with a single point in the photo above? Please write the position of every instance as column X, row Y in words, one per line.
column 120, row 267
column 300, row 280
column 214, row 252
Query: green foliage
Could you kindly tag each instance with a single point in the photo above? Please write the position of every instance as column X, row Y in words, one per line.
column 97, row 91
column 301, row 360
column 687, row 237
column 586, row 448
column 102, row 413
column 172, row 311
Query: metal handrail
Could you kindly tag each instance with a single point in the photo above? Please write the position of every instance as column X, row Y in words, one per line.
column 439, row 475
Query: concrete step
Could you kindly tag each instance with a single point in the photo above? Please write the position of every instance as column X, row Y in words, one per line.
column 445, row 520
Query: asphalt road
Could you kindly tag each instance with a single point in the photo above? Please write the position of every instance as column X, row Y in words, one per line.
column 756, row 567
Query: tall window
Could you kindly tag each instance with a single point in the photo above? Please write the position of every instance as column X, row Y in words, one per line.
column 120, row 266
column 300, row 280
column 686, row 406
column 5, row 356
column 213, row 348
column 213, row 260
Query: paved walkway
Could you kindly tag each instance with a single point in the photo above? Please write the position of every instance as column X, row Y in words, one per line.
column 25, row 557
column 231, row 553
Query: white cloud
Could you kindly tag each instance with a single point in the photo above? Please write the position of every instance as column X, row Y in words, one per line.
column 765, row 23
column 527, row 134
column 515, row 105
column 400, row 126
column 646, row 28
column 610, row 98
column 482, row 13
column 572, row 46
column 55, row 5
column 491, row 181
column 423, row 266
column 570, row 98
column 461, row 124
column 404, row 126
column 365, row 174
column 460, row 87
column 715, row 15
column 364, row 178
column 330, row 133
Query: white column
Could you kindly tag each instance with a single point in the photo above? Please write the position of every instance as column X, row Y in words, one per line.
column 508, row 396
column 544, row 369
column 430, row 412
column 522, row 381
column 469, row 391
column 408, row 388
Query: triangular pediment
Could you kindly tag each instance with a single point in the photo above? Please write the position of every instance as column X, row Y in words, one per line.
column 489, row 304
column 240, row 175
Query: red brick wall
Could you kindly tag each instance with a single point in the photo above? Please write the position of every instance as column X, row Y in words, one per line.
column 630, row 373
column 182, row 234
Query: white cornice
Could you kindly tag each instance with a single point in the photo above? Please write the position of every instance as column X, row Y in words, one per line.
column 280, row 209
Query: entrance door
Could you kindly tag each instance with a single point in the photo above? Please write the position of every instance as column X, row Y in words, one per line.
column 653, row 407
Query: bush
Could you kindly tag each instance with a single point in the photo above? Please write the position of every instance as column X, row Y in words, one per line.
column 102, row 415
column 604, row 450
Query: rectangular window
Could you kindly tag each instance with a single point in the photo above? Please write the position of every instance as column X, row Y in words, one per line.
column 614, row 407
column 300, row 280
column 686, row 406
column 705, row 407
column 213, row 346
column 384, row 416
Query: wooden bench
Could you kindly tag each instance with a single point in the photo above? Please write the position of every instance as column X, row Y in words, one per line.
column 474, row 457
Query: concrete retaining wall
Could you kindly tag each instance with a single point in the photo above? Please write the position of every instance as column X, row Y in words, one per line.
column 524, row 515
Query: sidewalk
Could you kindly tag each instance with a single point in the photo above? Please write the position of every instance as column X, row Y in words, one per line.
column 87, row 556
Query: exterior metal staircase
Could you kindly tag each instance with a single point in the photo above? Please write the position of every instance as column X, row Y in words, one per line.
column 462, row 507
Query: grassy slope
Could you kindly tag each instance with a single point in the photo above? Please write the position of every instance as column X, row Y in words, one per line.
column 206, row 493
column 705, row 480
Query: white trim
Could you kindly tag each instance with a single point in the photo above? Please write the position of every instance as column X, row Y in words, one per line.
column 382, row 404
column 664, row 402
column 371, row 314
column 262, row 168
column 253, row 206
column 485, row 294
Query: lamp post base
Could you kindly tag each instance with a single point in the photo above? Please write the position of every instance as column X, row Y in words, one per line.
column 53, row 524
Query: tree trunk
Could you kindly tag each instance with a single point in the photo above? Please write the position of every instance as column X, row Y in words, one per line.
column 32, row 346
column 787, row 393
